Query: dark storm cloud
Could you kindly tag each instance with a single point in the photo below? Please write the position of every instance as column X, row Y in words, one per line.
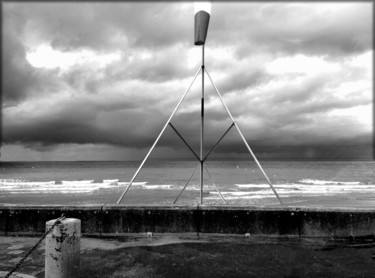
column 18, row 76
column 80, row 121
column 341, row 150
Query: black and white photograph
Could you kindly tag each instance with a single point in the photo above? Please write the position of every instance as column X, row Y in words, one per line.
column 187, row 139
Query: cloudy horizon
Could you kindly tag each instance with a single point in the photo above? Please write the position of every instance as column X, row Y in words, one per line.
column 98, row 81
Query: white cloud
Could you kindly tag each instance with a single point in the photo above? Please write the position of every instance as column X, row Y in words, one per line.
column 364, row 60
column 302, row 64
column 361, row 116
column 44, row 56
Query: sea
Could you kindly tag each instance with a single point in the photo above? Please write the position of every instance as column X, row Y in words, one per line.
column 344, row 184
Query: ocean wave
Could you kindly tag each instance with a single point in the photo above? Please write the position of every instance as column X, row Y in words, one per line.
column 73, row 186
column 17, row 182
column 237, row 195
column 140, row 184
column 325, row 182
column 295, row 189
column 305, row 187
column 313, row 186
column 252, row 185
column 114, row 181
column 76, row 182
column 155, row 186
column 197, row 187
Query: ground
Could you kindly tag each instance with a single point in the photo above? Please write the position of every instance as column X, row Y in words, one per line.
column 205, row 255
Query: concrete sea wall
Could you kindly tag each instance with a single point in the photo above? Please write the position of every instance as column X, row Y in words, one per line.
column 103, row 220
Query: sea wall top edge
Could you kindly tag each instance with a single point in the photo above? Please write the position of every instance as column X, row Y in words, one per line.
column 192, row 207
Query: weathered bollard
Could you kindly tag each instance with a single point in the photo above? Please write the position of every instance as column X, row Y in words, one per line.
column 63, row 249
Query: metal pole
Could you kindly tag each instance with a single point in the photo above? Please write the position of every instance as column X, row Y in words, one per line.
column 244, row 140
column 202, row 128
column 192, row 175
column 157, row 139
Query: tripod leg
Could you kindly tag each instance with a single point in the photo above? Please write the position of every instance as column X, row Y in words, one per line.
column 244, row 140
column 157, row 139
column 260, row 167
column 192, row 175
column 215, row 185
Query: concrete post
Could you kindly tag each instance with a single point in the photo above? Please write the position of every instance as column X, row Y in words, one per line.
column 63, row 249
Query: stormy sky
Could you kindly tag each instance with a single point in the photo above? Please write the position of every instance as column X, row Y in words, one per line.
column 98, row 81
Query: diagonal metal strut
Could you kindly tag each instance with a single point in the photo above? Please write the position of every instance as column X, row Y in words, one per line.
column 244, row 140
column 217, row 143
column 183, row 140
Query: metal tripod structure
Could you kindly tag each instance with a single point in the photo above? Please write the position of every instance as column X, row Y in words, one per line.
column 200, row 158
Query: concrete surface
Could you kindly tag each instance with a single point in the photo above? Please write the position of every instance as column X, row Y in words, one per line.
column 62, row 253
column 207, row 255
column 15, row 275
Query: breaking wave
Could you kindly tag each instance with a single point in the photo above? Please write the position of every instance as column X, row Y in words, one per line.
column 65, row 186
column 324, row 182
column 304, row 187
